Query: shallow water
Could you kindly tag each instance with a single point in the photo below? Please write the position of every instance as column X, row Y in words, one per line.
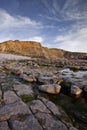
column 68, row 72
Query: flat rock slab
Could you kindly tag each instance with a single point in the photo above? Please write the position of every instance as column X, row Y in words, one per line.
column 12, row 106
column 49, row 123
column 4, row 126
column 51, row 106
column 50, row 88
column 38, row 106
column 10, row 97
column 23, row 89
column 30, row 123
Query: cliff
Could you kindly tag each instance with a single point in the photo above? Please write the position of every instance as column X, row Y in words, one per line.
column 36, row 50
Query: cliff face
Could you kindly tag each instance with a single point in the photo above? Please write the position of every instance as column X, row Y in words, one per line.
column 36, row 50
column 28, row 48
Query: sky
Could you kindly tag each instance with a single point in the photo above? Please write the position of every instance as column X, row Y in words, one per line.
column 55, row 23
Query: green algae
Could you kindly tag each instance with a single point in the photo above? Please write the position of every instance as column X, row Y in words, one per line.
column 27, row 98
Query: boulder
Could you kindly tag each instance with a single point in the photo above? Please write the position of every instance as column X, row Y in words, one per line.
column 17, row 71
column 51, row 88
column 75, row 90
column 28, row 78
column 48, row 79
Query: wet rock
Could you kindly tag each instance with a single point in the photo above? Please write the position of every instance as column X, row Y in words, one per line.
column 30, row 123
column 23, row 89
column 38, row 106
column 75, row 90
column 4, row 126
column 27, row 78
column 50, row 88
column 50, row 123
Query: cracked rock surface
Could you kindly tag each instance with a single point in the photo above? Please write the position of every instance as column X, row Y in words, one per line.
column 34, row 103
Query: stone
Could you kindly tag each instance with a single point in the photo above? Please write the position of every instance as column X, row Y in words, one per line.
column 13, row 109
column 50, row 123
column 23, row 89
column 75, row 90
column 47, row 79
column 27, row 78
column 10, row 97
column 51, row 88
column 38, row 106
column 51, row 106
column 17, row 71
column 30, row 123
column 12, row 106
column 4, row 126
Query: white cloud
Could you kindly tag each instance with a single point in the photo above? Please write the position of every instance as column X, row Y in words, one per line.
column 75, row 41
column 9, row 21
column 18, row 27
column 36, row 38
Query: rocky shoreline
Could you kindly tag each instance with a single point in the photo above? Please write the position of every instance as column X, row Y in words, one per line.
column 40, row 95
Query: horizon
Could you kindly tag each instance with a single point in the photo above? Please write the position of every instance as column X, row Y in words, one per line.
column 53, row 23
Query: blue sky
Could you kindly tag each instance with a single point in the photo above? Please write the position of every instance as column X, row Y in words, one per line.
column 54, row 23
